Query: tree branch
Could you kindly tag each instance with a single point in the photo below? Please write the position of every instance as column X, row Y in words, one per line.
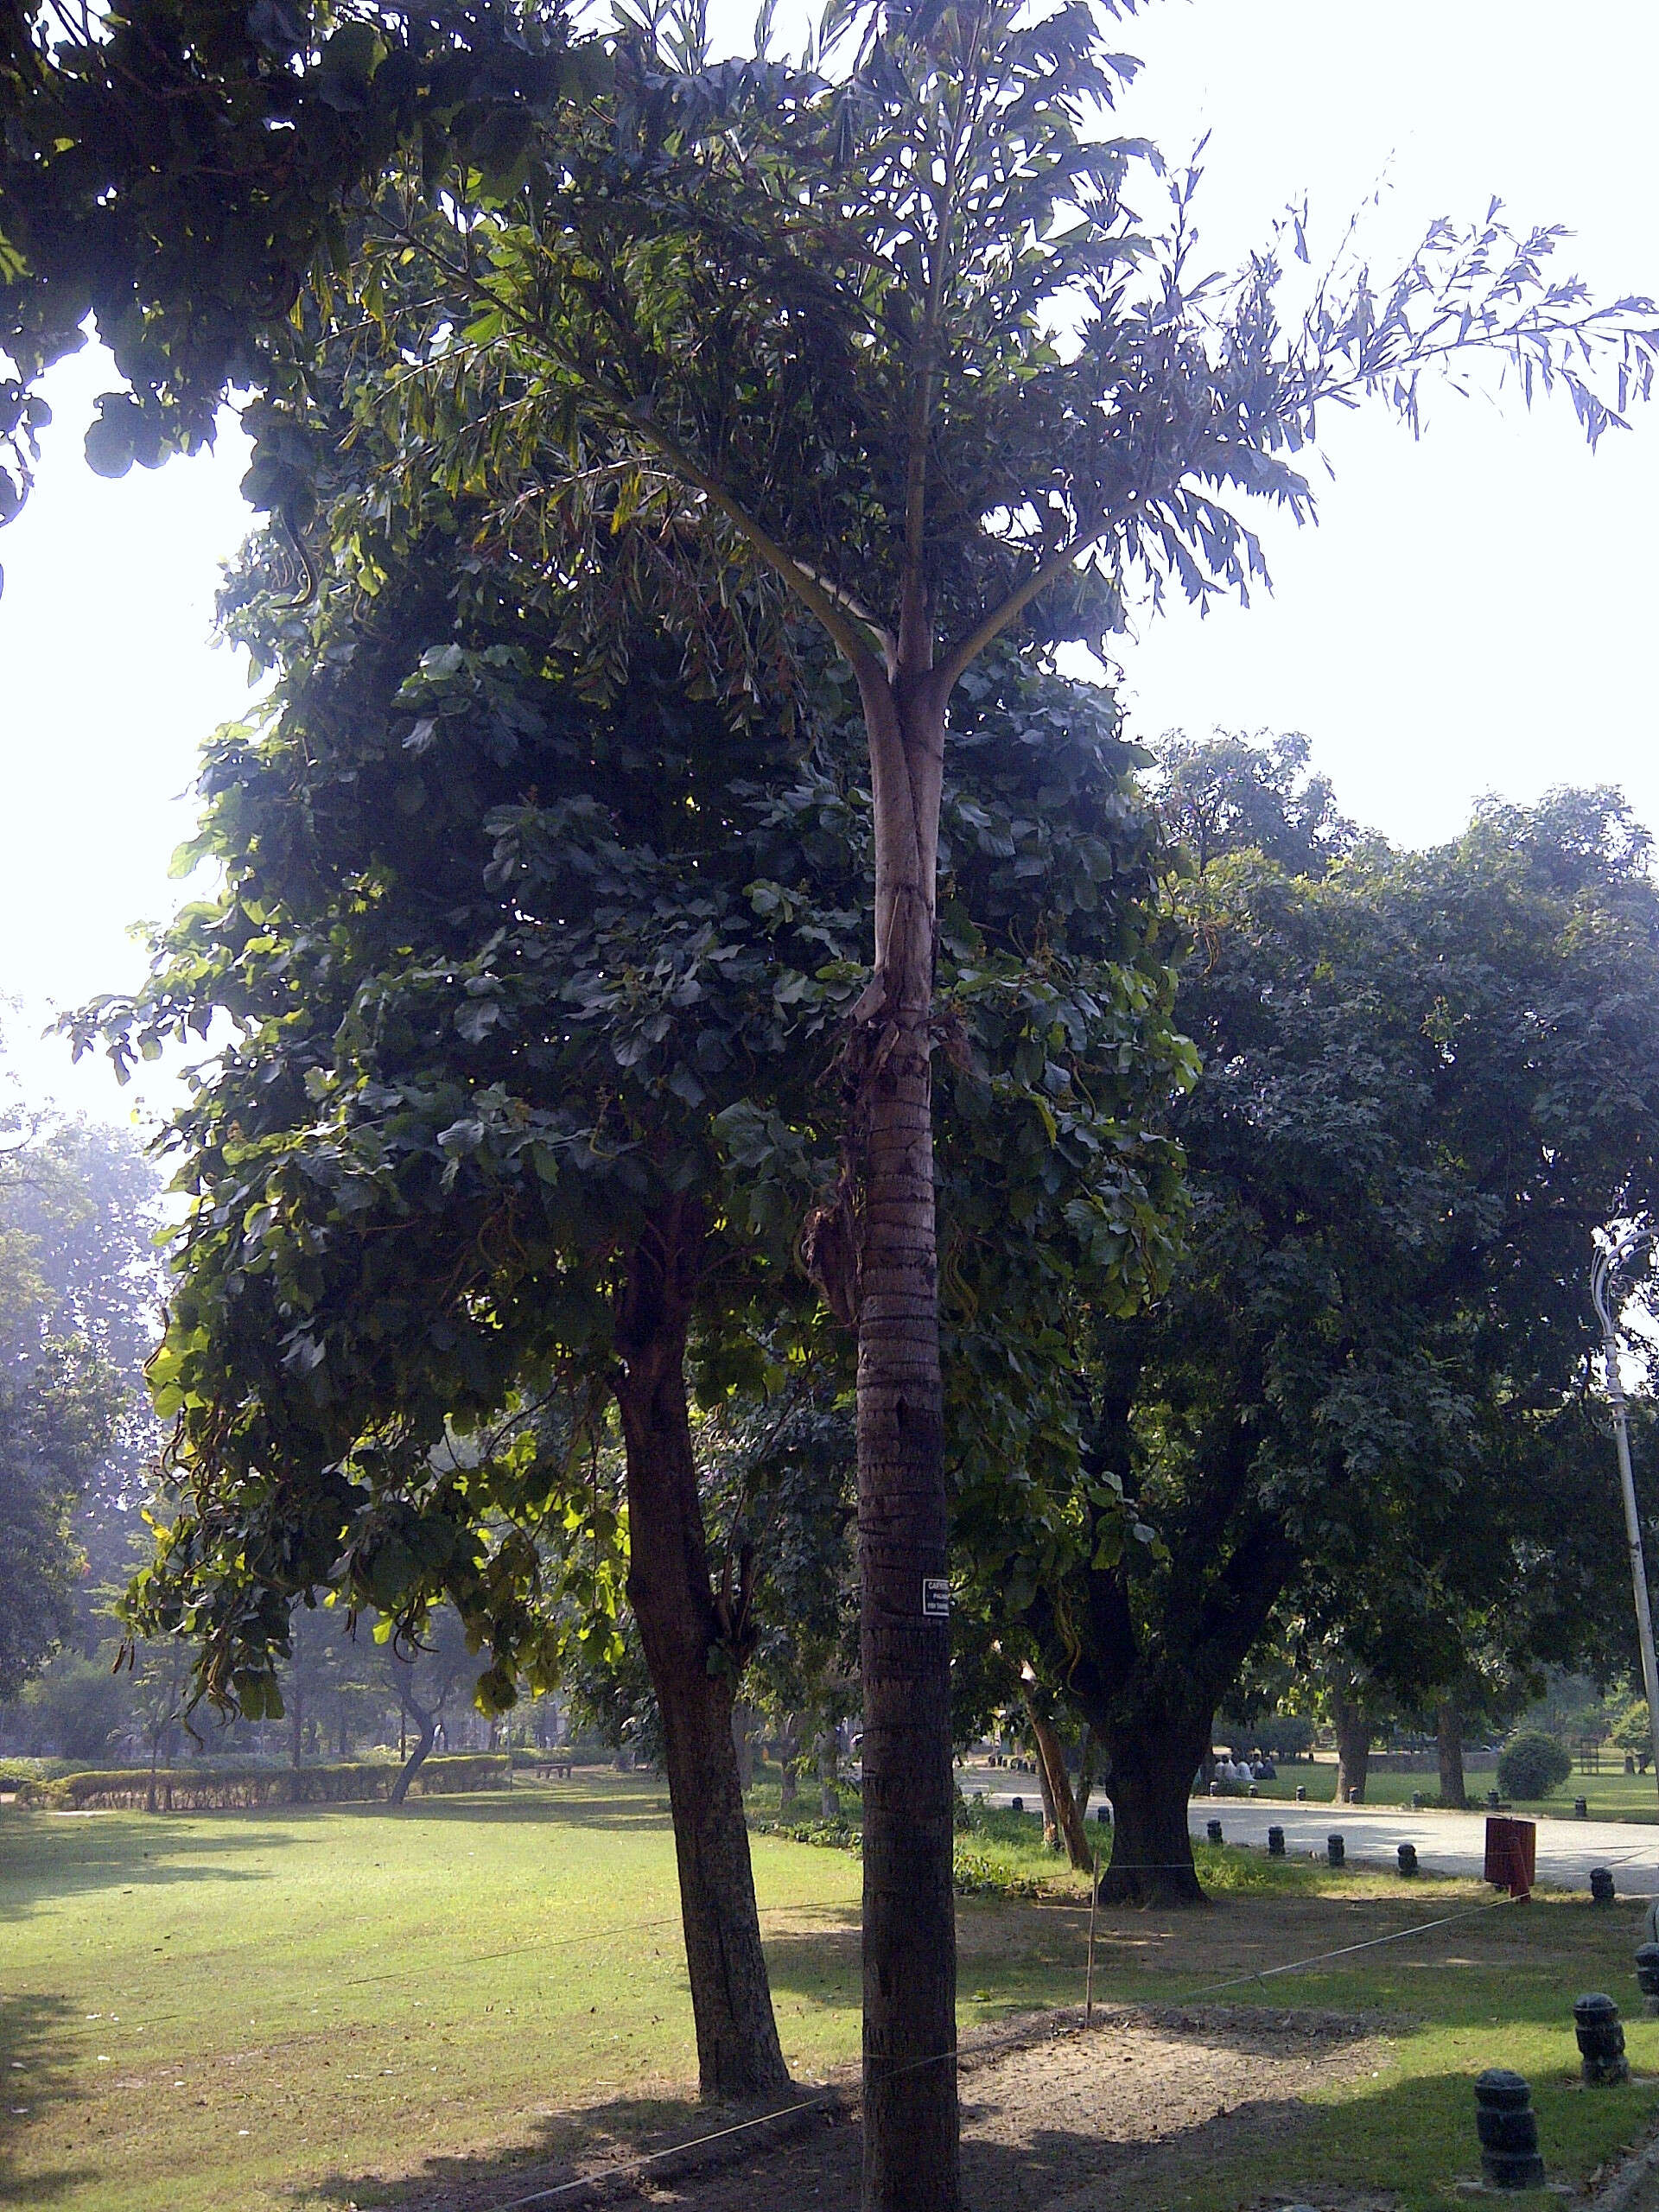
column 961, row 656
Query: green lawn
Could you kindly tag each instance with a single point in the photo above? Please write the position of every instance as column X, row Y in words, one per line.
column 1608, row 1797
column 250, row 2013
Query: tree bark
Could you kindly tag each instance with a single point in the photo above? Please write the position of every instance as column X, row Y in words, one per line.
column 1152, row 1765
column 743, row 1743
column 1046, row 1792
column 1448, row 1729
column 428, row 1724
column 694, row 1658
column 1070, row 1813
column 789, row 1752
column 829, row 1776
column 1353, row 1749
column 910, row 2162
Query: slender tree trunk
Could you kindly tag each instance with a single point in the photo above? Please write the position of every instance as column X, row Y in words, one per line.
column 1051, row 1817
column 296, row 1727
column 829, row 1775
column 910, row 2162
column 691, row 1654
column 789, row 1752
column 1448, row 1729
column 1154, row 1761
column 743, row 1744
column 427, row 1725
column 1353, row 1751
column 1070, row 1812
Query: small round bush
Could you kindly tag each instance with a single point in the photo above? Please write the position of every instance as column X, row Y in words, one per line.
column 1533, row 1764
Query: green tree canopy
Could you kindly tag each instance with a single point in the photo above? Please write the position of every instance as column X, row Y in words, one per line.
column 1427, row 1078
column 536, row 998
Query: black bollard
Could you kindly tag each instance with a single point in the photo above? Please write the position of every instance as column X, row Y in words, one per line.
column 1416, row 1801
column 1507, row 2127
column 1407, row 1855
column 1104, row 1816
column 1017, row 1805
column 1647, row 1977
column 1580, row 1809
column 1276, row 1843
column 1213, row 1830
column 1334, row 1850
column 1301, row 1793
column 1601, row 2040
column 1493, row 1801
column 1601, row 1885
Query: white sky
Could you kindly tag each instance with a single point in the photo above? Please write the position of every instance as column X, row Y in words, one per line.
column 1474, row 613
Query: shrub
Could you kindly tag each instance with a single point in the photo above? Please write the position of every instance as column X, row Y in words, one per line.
column 193, row 1789
column 1532, row 1765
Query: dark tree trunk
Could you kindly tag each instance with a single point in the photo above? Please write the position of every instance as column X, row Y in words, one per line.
column 909, row 1934
column 428, row 1724
column 694, row 1657
column 1152, row 1765
column 1353, row 1751
column 1448, row 1729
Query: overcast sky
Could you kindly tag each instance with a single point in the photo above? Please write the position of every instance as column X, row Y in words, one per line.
column 1474, row 613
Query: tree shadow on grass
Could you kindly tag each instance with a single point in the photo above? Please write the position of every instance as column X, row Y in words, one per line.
column 616, row 1806
column 35, row 2074
column 560, row 2146
column 44, row 1855
column 1031, row 2160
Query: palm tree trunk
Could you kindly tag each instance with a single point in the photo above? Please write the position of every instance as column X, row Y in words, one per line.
column 911, row 2161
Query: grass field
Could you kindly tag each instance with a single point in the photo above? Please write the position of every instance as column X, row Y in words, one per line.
column 1608, row 1797
column 242, row 2012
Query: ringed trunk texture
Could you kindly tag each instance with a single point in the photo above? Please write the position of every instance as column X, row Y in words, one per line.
column 738, row 2051
column 1448, row 1730
column 1152, row 1767
column 909, row 1943
column 1353, row 1752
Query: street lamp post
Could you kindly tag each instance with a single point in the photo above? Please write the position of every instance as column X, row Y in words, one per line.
column 1604, row 1272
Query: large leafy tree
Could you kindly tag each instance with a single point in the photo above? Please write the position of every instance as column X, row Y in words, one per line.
column 884, row 341
column 62, row 1395
column 537, row 998
column 187, row 177
column 1427, row 1078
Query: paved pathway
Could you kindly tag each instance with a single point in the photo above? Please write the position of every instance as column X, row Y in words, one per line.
column 1447, row 1843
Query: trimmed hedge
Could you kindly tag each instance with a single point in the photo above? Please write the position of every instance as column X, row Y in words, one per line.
column 178, row 1790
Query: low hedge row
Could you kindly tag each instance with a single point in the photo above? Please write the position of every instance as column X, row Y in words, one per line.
column 178, row 1789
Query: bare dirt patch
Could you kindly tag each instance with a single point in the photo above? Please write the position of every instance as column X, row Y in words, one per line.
column 1055, row 2118
column 1075, row 2120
